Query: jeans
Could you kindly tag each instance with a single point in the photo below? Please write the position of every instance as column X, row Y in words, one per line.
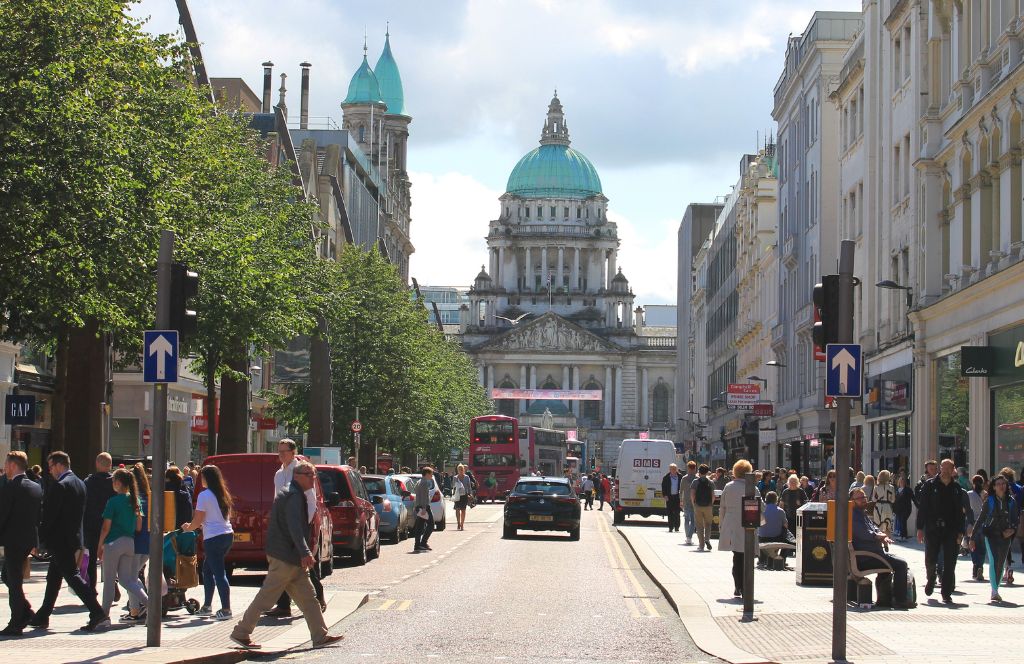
column 978, row 554
column 119, row 567
column 422, row 529
column 14, row 570
column 64, row 568
column 689, row 521
column 998, row 550
column 214, row 572
column 704, row 517
column 672, row 503
column 284, row 577
column 947, row 544
column 737, row 570
column 92, row 542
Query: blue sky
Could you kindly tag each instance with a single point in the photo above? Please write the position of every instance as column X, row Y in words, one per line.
column 663, row 96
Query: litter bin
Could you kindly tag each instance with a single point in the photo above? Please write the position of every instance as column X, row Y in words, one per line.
column 813, row 550
column 714, row 514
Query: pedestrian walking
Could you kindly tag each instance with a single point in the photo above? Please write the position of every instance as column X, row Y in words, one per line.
column 827, row 489
column 1017, row 493
column 62, row 537
column 689, row 524
column 721, row 478
column 174, row 481
column 122, row 518
column 606, row 491
column 998, row 525
column 20, row 502
column 289, row 559
column 99, row 488
column 588, row 492
column 424, row 524
column 491, row 484
column 942, row 521
column 731, row 536
column 213, row 516
column 137, row 614
column 977, row 496
column 287, row 449
column 462, row 489
column 671, row 485
column 702, row 495
column 884, row 499
column 902, row 507
column 792, row 499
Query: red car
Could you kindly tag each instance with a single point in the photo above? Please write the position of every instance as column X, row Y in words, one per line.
column 356, row 523
column 250, row 479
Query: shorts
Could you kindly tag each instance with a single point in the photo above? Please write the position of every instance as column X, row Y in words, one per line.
column 461, row 503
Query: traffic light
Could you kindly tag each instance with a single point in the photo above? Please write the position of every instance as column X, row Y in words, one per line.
column 826, row 302
column 184, row 286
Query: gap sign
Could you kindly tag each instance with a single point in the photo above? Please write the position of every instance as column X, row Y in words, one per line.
column 20, row 409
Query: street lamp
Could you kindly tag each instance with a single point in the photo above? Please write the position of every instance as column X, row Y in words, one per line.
column 775, row 363
column 889, row 284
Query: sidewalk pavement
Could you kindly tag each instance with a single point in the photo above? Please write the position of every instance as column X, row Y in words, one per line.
column 794, row 623
column 184, row 638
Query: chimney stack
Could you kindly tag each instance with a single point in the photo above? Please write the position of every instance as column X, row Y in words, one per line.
column 280, row 102
column 268, row 69
column 304, row 100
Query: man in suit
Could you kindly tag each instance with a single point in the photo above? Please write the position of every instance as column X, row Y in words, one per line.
column 671, row 488
column 61, row 533
column 19, row 519
column 99, row 488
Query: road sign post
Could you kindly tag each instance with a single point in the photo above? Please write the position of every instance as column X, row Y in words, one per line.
column 844, row 379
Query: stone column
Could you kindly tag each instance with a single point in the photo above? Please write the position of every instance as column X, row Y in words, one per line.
column 611, row 268
column 529, row 270
column 494, row 266
column 481, row 372
column 513, row 273
column 606, row 395
column 490, row 378
column 561, row 266
column 499, row 278
column 618, row 396
column 576, row 386
column 574, row 278
column 644, row 397
column 565, row 380
column 533, row 376
column 523, row 403
column 544, row 273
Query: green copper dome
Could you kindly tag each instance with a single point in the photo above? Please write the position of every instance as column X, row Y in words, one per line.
column 364, row 88
column 390, row 80
column 554, row 170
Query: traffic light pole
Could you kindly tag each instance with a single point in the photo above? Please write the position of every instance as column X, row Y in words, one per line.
column 156, row 499
column 841, row 553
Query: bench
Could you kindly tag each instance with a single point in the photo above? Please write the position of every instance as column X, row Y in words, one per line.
column 773, row 550
column 861, row 578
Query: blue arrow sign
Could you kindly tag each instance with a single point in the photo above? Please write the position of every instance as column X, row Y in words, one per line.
column 160, row 356
column 843, row 370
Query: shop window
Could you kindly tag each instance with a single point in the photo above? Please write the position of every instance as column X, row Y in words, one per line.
column 1008, row 408
column 953, row 403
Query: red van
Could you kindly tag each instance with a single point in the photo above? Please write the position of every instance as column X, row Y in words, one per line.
column 250, row 479
column 356, row 524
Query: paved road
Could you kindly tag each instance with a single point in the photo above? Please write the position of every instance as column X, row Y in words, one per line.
column 539, row 598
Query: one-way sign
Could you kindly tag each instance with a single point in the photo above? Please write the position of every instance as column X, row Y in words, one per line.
column 160, row 356
column 843, row 370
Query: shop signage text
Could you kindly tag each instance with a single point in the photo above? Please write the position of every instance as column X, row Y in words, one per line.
column 20, row 409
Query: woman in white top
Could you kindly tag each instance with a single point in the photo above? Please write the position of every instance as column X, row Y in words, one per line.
column 213, row 515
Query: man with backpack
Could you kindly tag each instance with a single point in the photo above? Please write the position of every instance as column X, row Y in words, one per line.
column 702, row 493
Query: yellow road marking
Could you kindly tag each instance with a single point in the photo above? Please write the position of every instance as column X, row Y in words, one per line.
column 404, row 605
column 651, row 611
column 385, row 606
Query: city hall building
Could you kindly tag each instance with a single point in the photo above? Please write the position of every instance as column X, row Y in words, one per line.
column 551, row 309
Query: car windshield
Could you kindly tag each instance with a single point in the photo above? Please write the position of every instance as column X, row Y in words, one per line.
column 543, row 488
column 374, row 485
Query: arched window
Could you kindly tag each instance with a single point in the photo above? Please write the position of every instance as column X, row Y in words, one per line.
column 362, row 134
column 507, row 406
column 660, row 402
column 592, row 409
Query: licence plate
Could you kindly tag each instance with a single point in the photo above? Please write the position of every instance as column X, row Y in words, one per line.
column 541, row 517
column 241, row 537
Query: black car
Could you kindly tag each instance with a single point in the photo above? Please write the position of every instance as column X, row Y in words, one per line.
column 542, row 503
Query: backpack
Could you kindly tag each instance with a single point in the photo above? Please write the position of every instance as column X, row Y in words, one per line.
column 704, row 493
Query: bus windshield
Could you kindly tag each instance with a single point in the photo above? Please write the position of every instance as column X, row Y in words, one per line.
column 487, row 460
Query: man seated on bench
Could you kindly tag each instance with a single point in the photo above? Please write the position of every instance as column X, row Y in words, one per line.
column 774, row 526
column 868, row 537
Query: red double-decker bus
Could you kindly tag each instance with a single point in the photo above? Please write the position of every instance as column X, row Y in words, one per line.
column 494, row 448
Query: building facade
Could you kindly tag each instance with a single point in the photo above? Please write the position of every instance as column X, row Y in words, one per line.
column 551, row 309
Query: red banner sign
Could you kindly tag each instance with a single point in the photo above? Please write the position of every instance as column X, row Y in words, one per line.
column 764, row 409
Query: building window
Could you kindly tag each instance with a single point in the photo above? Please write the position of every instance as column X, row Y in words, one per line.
column 660, row 402
column 906, row 52
column 897, row 64
column 506, row 406
column 362, row 134
column 540, row 212
column 592, row 409
column 527, row 211
column 579, row 212
column 566, row 215
column 552, row 211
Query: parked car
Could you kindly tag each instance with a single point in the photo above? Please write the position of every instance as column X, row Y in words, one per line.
column 386, row 494
column 542, row 503
column 356, row 525
column 250, row 478
column 437, row 500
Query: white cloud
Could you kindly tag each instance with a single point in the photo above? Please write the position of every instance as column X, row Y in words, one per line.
column 648, row 258
column 450, row 215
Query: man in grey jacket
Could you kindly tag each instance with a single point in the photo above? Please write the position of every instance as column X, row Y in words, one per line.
column 289, row 560
column 424, row 525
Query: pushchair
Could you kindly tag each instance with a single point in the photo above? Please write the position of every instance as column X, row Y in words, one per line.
column 180, row 570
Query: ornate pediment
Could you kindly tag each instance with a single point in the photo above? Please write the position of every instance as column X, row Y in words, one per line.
column 550, row 333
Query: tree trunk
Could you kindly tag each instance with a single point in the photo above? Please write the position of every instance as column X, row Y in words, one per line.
column 234, row 406
column 86, row 388
column 212, row 361
column 320, row 392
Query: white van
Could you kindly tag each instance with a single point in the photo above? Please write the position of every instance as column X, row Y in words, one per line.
column 642, row 465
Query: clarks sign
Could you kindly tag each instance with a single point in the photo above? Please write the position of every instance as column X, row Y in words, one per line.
column 1001, row 361
column 977, row 361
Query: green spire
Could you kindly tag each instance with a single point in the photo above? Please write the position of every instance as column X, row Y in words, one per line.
column 364, row 88
column 390, row 80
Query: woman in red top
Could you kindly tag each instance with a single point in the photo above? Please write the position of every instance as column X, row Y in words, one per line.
column 606, row 491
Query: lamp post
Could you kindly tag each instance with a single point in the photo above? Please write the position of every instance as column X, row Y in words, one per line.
column 889, row 284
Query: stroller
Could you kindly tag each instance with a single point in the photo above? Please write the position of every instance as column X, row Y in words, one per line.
column 180, row 570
